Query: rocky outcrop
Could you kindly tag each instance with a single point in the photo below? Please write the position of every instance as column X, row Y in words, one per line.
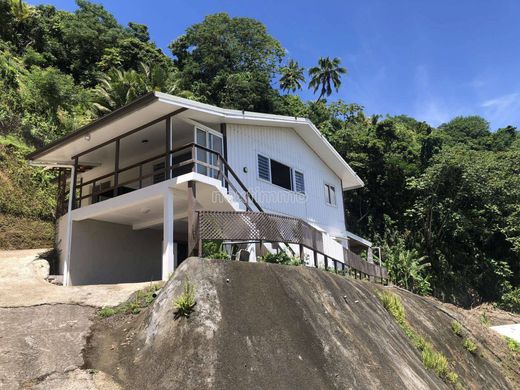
column 264, row 326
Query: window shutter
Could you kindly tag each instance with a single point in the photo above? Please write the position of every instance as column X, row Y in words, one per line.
column 264, row 171
column 332, row 196
column 299, row 182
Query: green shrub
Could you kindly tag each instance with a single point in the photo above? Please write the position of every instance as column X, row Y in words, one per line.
column 513, row 345
column 470, row 345
column 484, row 319
column 393, row 305
column 436, row 361
column 511, row 301
column 452, row 377
column 141, row 299
column 212, row 249
column 281, row 257
column 106, row 312
column 430, row 357
column 186, row 302
column 456, row 327
column 407, row 269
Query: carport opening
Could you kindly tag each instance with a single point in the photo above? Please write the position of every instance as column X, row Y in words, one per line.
column 108, row 253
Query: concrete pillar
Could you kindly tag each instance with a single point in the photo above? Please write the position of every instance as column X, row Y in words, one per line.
column 168, row 256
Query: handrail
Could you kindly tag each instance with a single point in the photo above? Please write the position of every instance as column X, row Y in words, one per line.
column 265, row 227
column 191, row 145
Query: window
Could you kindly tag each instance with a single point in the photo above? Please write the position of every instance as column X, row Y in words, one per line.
column 330, row 194
column 280, row 174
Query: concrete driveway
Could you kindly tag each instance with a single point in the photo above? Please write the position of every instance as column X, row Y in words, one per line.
column 22, row 284
column 43, row 327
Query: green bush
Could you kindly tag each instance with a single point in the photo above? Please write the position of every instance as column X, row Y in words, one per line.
column 470, row 346
column 407, row 269
column 436, row 361
column 511, row 301
column 452, row 377
column 513, row 345
column 141, row 299
column 212, row 249
column 281, row 257
column 393, row 305
column 456, row 327
column 186, row 302
column 484, row 319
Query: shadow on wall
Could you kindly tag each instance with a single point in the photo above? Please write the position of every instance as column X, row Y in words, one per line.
column 104, row 253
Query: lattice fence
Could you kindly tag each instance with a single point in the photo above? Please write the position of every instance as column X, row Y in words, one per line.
column 254, row 226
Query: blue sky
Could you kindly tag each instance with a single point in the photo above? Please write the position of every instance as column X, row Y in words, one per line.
column 432, row 60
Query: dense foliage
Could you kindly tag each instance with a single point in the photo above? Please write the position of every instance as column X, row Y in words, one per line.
column 444, row 203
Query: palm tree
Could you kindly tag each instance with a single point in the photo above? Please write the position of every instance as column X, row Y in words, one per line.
column 21, row 11
column 327, row 73
column 292, row 77
column 119, row 87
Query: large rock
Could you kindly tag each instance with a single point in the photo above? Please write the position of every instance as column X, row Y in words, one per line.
column 266, row 326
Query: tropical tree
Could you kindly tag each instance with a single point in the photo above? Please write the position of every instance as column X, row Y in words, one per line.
column 325, row 75
column 292, row 77
column 407, row 269
column 119, row 87
column 229, row 62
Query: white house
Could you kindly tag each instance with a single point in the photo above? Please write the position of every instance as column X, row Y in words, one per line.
column 153, row 179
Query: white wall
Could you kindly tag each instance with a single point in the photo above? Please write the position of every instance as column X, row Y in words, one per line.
column 104, row 252
column 286, row 146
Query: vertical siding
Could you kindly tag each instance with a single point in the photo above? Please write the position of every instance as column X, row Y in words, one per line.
column 286, row 146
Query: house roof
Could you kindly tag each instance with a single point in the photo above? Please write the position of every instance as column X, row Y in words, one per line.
column 156, row 104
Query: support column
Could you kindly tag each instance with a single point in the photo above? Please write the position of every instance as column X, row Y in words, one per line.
column 168, row 257
column 192, row 216
column 68, row 250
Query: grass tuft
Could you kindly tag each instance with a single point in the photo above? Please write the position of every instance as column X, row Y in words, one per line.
column 513, row 345
column 141, row 299
column 431, row 358
column 435, row 361
column 393, row 305
column 470, row 345
column 456, row 327
column 186, row 302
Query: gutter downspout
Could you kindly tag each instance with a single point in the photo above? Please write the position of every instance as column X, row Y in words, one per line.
column 66, row 261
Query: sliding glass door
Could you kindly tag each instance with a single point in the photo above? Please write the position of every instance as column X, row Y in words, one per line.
column 211, row 140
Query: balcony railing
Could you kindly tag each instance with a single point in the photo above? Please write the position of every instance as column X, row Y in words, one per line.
column 169, row 165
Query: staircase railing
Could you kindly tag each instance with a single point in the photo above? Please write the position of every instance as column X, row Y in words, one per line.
column 255, row 227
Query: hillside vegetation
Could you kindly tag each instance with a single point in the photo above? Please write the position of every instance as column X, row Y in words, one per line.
column 444, row 202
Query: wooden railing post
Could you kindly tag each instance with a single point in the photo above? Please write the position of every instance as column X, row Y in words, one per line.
column 315, row 258
column 116, row 169
column 74, row 179
column 168, row 155
column 302, row 255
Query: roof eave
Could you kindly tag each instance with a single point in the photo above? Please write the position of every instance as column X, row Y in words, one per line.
column 136, row 104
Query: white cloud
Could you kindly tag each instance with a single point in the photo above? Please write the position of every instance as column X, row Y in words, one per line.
column 429, row 107
column 503, row 109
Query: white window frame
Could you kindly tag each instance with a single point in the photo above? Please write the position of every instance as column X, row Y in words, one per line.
column 292, row 170
column 328, row 186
